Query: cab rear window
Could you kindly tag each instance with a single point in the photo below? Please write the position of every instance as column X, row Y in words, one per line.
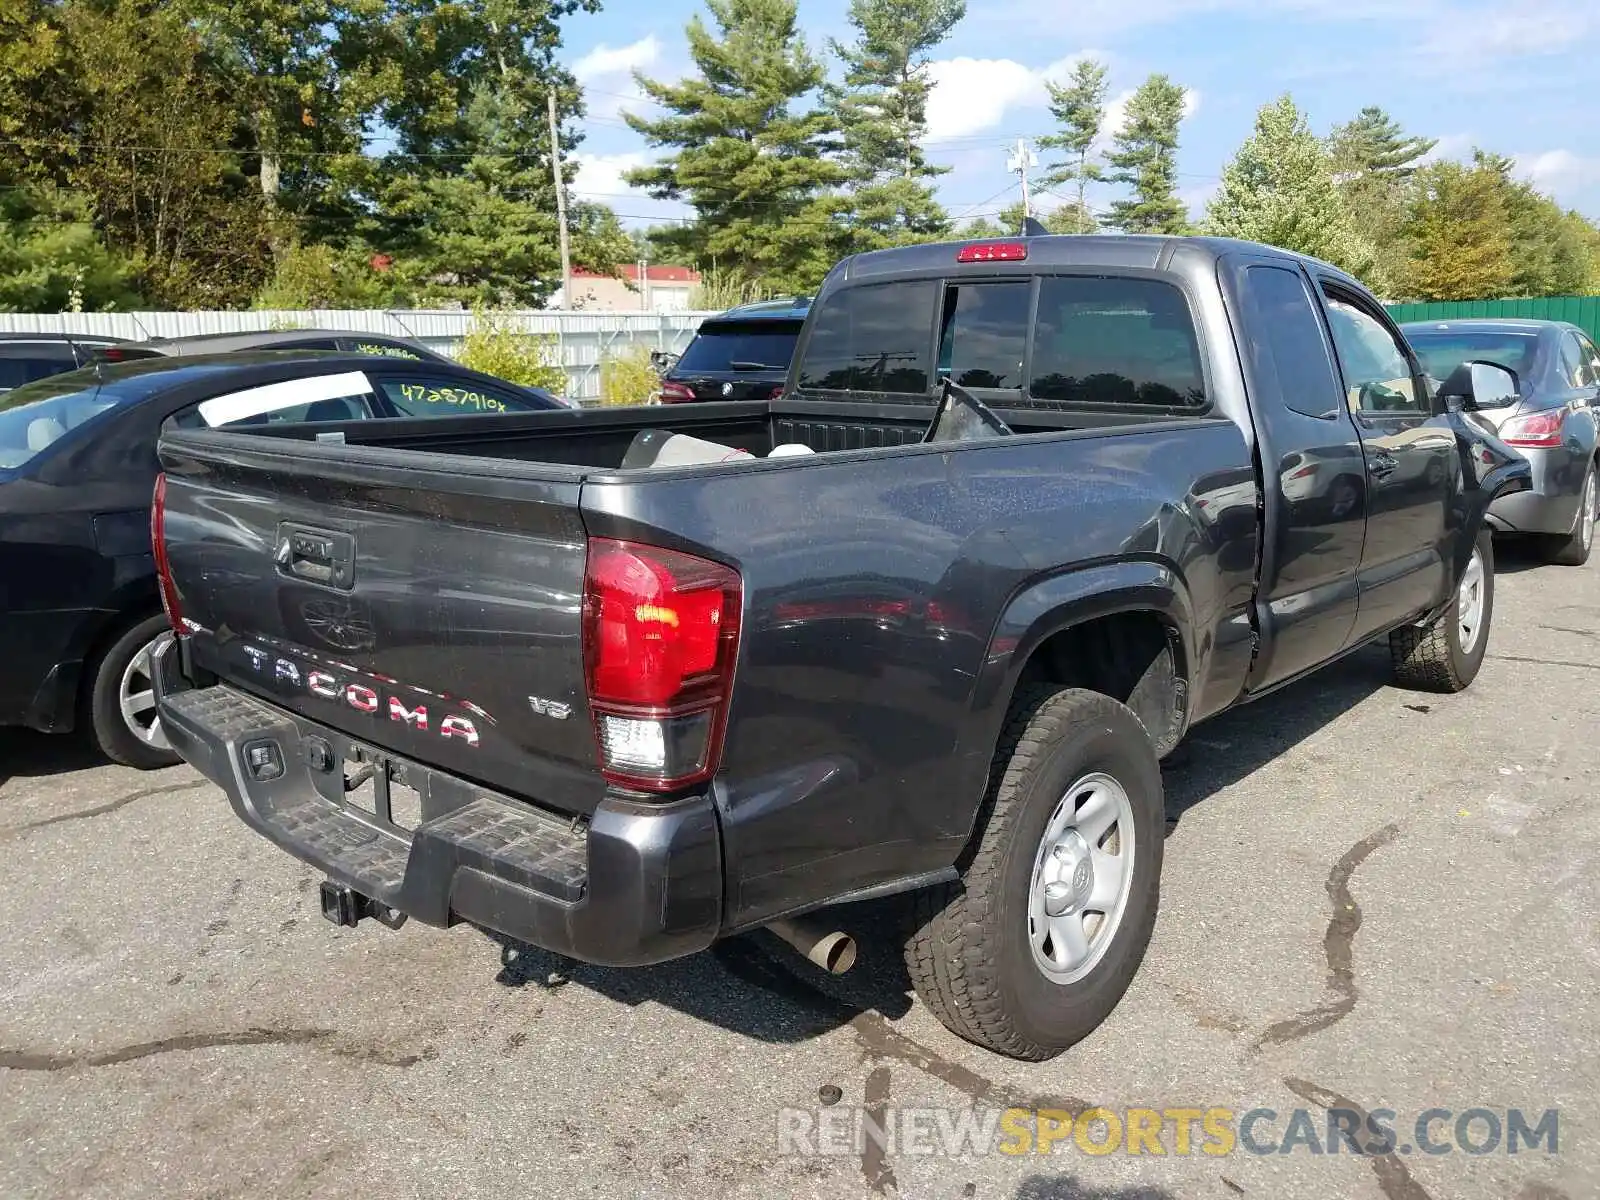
column 1095, row 342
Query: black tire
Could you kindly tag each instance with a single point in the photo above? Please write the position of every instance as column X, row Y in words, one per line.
column 969, row 955
column 1431, row 657
column 1573, row 549
column 103, row 700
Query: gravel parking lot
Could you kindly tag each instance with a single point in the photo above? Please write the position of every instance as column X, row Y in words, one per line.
column 1373, row 900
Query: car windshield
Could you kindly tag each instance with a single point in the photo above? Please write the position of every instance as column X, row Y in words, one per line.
column 35, row 415
column 740, row 346
column 1443, row 351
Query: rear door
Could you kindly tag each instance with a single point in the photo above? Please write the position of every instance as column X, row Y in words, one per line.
column 423, row 605
column 1314, row 490
column 1413, row 468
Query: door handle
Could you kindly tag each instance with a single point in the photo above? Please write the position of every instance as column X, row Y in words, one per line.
column 1380, row 465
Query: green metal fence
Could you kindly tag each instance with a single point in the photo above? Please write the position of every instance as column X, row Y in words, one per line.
column 1579, row 310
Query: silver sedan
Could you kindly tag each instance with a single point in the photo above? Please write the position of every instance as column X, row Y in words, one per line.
column 1551, row 421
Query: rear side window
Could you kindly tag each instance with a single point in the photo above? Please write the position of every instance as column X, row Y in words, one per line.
column 448, row 396
column 741, row 346
column 874, row 340
column 984, row 333
column 343, row 397
column 1128, row 343
column 1288, row 348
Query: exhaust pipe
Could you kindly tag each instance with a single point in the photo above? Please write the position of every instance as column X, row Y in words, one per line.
column 833, row 950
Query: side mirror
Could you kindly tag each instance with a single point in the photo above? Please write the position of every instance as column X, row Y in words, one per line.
column 1479, row 384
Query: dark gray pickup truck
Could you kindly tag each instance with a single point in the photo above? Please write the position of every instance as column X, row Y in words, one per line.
column 487, row 670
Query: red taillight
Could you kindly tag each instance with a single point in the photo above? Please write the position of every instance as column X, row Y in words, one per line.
column 158, row 548
column 993, row 252
column 1536, row 429
column 1304, row 472
column 660, row 631
column 776, row 393
column 673, row 392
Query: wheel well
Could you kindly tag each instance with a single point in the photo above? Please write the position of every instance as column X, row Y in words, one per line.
column 112, row 628
column 1133, row 657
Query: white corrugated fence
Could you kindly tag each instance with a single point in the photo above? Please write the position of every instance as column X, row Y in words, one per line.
column 583, row 338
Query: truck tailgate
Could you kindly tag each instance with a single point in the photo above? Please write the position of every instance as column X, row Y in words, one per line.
column 429, row 612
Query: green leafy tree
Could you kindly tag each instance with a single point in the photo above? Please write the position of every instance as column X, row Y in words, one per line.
column 1144, row 157
column 1549, row 253
column 1079, row 109
column 1461, row 246
column 881, row 110
column 465, row 201
column 1374, row 167
column 497, row 345
column 1067, row 218
column 300, row 95
column 1278, row 189
column 52, row 259
column 318, row 275
column 744, row 153
column 151, row 123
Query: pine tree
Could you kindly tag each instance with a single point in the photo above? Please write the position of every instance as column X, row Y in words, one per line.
column 881, row 110
column 1374, row 143
column 1079, row 108
column 1278, row 189
column 749, row 163
column 1145, row 158
column 1374, row 167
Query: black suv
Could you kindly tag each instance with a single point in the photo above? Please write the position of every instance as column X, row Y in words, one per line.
column 742, row 354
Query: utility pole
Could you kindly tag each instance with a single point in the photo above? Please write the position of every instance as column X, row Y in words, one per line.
column 1023, row 157
column 561, row 200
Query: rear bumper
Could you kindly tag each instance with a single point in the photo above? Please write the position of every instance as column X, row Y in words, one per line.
column 641, row 883
column 1550, row 505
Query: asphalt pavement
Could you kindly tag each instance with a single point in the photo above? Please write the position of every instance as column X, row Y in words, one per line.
column 1375, row 902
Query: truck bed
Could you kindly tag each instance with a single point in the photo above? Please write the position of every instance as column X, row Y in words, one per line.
column 861, row 723
column 598, row 438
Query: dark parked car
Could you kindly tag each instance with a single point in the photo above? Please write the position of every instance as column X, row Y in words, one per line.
column 25, row 357
column 1550, row 418
column 623, row 711
column 742, row 354
column 277, row 339
column 78, row 601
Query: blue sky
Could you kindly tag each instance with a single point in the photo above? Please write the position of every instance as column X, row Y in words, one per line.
column 1521, row 79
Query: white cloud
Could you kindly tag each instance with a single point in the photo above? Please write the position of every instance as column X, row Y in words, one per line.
column 606, row 61
column 606, row 75
column 1450, row 146
column 600, row 176
column 971, row 95
column 1559, row 172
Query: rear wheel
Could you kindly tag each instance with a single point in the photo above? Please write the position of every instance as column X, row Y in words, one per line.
column 121, row 700
column 1573, row 550
column 1038, row 941
column 1445, row 654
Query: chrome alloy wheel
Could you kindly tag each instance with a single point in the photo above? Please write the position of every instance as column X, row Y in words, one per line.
column 137, row 698
column 1082, row 876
